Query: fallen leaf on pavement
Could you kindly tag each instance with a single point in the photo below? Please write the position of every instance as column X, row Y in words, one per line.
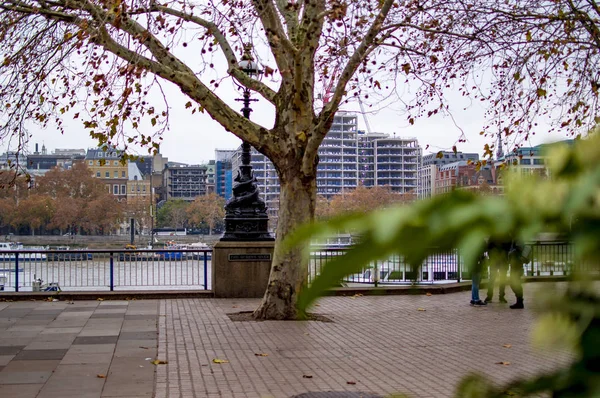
column 428, row 294
column 101, row 376
column 357, row 295
column 261, row 354
column 234, row 306
column 507, row 345
column 145, row 348
column 220, row 360
column 351, row 382
column 421, row 309
column 307, row 376
column 503, row 363
column 159, row 362
column 100, row 299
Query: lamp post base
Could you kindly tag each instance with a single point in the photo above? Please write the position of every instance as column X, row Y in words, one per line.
column 251, row 227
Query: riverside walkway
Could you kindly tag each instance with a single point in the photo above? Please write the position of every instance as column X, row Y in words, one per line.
column 418, row 345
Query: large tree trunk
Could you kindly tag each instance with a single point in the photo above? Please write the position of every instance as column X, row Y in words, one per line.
column 289, row 269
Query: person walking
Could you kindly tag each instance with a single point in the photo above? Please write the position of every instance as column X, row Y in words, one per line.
column 475, row 280
column 517, row 257
column 498, row 263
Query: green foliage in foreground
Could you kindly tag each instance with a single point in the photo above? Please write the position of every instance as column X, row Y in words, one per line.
column 568, row 204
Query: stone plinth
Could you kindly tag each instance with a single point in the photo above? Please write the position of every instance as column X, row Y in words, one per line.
column 241, row 269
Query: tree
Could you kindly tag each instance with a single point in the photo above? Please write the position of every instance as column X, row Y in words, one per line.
column 363, row 199
column 105, row 57
column 207, row 209
column 173, row 214
column 77, row 198
column 35, row 211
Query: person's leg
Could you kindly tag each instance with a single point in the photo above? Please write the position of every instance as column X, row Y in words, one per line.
column 475, row 279
column 491, row 281
column 516, row 272
column 502, row 271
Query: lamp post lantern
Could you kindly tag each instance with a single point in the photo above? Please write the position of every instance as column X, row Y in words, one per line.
column 246, row 216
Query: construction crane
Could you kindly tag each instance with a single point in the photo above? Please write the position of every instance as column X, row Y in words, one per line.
column 328, row 89
column 362, row 109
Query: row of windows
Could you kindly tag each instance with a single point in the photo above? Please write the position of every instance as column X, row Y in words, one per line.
column 115, row 174
column 106, row 163
column 116, row 190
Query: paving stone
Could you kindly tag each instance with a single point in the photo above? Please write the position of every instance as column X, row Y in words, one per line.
column 13, row 312
column 128, row 376
column 40, row 354
column 75, row 381
column 11, row 349
column 32, row 366
column 89, row 331
column 49, row 345
column 138, row 317
column 138, row 335
column 24, row 377
column 97, row 315
column 20, row 390
column 79, row 309
column 75, row 358
column 75, row 330
column 92, row 348
column 95, row 340
column 5, row 359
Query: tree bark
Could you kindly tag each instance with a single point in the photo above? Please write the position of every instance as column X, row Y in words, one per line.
column 289, row 269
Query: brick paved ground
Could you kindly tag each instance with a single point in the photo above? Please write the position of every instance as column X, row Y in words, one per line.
column 86, row 349
column 382, row 344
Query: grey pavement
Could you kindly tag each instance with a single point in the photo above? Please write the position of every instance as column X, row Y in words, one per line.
column 418, row 345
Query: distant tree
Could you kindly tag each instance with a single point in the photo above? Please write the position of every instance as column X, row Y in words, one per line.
column 35, row 211
column 208, row 209
column 363, row 199
column 103, row 214
column 77, row 198
column 173, row 214
column 323, row 207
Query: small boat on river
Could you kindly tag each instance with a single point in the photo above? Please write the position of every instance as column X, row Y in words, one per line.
column 11, row 250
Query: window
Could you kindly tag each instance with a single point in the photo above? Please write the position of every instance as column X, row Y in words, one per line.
column 108, row 187
column 132, row 189
column 107, row 174
column 116, row 162
column 144, row 188
column 116, row 174
column 115, row 189
column 123, row 174
column 538, row 161
column 123, row 190
column 98, row 162
column 91, row 162
column 97, row 174
column 525, row 161
column 138, row 188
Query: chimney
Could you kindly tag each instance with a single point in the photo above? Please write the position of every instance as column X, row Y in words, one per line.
column 36, row 149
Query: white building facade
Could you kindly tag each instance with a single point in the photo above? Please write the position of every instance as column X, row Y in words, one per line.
column 348, row 158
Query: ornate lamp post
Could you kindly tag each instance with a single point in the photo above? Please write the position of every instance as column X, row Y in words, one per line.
column 246, row 213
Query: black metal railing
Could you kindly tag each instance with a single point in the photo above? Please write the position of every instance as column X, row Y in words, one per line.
column 546, row 259
column 92, row 270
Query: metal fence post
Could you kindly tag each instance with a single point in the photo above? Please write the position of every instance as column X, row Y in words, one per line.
column 205, row 270
column 112, row 272
column 16, row 272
